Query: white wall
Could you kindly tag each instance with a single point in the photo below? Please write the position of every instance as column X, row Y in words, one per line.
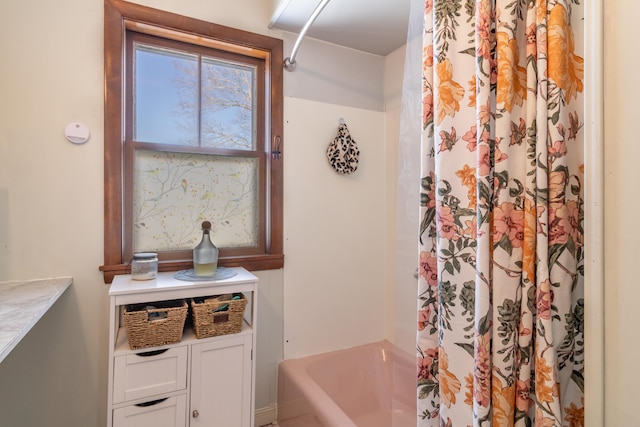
column 622, row 228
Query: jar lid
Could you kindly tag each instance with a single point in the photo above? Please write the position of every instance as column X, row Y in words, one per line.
column 145, row 255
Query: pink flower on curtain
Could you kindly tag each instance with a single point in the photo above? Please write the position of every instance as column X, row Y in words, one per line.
column 559, row 147
column 563, row 223
column 485, row 116
column 484, row 36
column 544, row 301
column 485, row 159
column 427, row 110
column 445, row 220
column 448, row 139
column 424, row 317
column 574, row 125
column 427, row 54
column 557, row 234
column 523, row 402
column 532, row 50
column 428, row 6
column 507, row 220
column 425, row 364
column 471, row 138
column 518, row 132
column 429, row 268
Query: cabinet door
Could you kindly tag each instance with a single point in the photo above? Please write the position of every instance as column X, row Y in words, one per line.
column 168, row 412
column 221, row 383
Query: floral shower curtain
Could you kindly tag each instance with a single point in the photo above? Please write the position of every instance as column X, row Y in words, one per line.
column 500, row 340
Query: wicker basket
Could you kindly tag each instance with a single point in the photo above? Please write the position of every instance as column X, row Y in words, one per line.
column 154, row 324
column 211, row 318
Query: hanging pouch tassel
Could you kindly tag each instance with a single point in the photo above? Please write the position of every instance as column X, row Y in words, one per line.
column 343, row 153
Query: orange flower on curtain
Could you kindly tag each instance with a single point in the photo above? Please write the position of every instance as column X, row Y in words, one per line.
column 451, row 92
column 501, row 304
column 566, row 69
column 512, row 83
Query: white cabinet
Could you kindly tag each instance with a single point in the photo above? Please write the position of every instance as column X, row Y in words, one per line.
column 196, row 382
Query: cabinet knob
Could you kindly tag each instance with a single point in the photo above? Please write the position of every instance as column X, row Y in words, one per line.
column 195, row 413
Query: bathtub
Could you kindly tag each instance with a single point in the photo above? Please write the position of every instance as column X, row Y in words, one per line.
column 373, row 385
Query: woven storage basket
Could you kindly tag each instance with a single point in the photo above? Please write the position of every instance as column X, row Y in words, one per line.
column 149, row 327
column 207, row 322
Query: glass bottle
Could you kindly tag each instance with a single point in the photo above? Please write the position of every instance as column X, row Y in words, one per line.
column 205, row 255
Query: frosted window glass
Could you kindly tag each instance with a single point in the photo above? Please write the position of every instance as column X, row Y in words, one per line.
column 175, row 192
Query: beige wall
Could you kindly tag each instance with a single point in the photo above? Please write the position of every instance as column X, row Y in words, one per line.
column 51, row 208
column 622, row 228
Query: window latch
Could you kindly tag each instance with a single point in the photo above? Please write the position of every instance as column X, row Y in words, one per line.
column 275, row 149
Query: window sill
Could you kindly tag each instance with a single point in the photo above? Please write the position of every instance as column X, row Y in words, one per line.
column 251, row 263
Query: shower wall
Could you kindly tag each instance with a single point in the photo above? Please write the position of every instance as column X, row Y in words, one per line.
column 335, row 246
column 339, row 288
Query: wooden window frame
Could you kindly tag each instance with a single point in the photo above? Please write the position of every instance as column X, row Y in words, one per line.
column 121, row 16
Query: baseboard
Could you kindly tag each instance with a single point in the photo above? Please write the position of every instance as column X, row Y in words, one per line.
column 266, row 415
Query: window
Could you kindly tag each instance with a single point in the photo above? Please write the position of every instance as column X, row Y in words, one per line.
column 193, row 124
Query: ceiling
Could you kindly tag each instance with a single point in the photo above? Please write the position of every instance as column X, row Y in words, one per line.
column 375, row 26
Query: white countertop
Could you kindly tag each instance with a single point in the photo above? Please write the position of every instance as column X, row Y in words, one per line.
column 22, row 304
column 123, row 284
column 165, row 287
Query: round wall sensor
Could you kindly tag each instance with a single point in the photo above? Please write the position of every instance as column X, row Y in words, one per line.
column 77, row 133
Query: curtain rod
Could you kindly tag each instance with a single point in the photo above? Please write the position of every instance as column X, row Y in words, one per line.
column 290, row 62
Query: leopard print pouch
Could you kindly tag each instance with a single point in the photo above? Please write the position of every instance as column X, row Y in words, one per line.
column 343, row 153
